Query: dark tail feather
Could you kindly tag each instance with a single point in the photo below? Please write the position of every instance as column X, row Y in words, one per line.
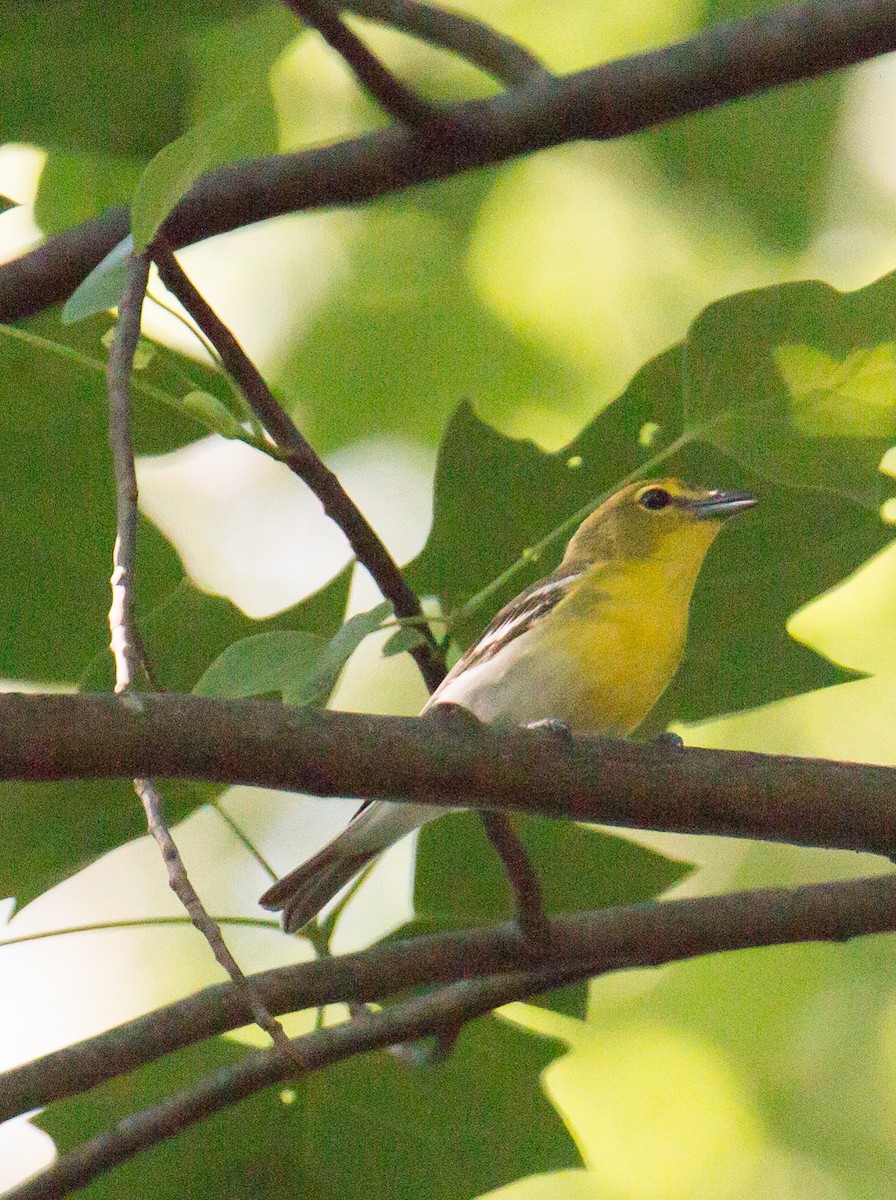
column 303, row 892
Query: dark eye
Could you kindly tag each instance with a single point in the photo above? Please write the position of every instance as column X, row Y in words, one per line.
column 654, row 498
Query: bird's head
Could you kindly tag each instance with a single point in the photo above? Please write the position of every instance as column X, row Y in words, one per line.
column 658, row 518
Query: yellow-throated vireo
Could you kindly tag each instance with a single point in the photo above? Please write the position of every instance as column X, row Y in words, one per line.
column 593, row 646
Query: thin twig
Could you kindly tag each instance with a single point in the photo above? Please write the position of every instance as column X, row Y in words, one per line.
column 493, row 52
column 726, row 62
column 303, row 461
column 394, row 97
column 521, row 876
column 125, row 638
column 179, row 882
column 610, row 939
column 124, row 641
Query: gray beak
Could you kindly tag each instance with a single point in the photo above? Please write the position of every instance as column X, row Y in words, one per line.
column 719, row 505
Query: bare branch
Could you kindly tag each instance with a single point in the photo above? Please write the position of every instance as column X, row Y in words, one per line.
column 180, row 884
column 830, row 911
column 124, row 638
column 303, row 461
column 609, row 939
column 485, row 48
column 389, row 92
column 521, row 876
column 803, row 801
column 723, row 63
column 452, row 1006
column 125, row 634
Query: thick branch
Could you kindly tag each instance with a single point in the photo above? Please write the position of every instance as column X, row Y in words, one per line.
column 636, row 935
column 726, row 62
column 804, row 801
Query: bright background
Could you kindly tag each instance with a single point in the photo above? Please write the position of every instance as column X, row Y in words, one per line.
column 536, row 291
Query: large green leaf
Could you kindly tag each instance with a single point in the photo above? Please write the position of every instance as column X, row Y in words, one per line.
column 768, row 156
column 725, row 391
column 366, row 1127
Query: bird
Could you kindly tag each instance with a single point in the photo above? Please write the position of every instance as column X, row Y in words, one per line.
column 589, row 650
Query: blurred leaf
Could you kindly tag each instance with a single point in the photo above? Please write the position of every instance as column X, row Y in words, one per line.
column 404, row 639
column 303, row 668
column 261, row 664
column 407, row 286
column 6, row 204
column 368, row 1126
column 102, row 288
column 247, row 129
column 76, row 185
column 768, row 155
column 58, row 518
column 460, row 882
column 723, row 386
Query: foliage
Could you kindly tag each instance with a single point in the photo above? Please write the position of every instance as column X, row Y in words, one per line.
column 536, row 396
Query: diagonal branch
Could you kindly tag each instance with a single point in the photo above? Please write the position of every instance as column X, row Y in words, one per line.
column 485, row 48
column 450, row 1007
column 302, row 460
column 610, row 939
column 802, row 801
column 393, row 97
column 723, row 63
column 126, row 640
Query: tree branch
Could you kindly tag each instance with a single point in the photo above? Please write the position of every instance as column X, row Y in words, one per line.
column 393, row 97
column 610, row 939
column 803, row 801
column 485, row 48
column 727, row 62
column 454, row 1005
column 829, row 910
column 304, row 462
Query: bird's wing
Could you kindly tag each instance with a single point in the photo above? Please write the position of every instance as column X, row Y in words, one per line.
column 514, row 619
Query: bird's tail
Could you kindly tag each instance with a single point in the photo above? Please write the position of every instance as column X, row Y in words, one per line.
column 303, row 892
column 377, row 825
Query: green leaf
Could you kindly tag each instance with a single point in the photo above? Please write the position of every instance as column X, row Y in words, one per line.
column 404, row 639
column 828, row 398
column 102, row 288
column 743, row 362
column 217, row 417
column 315, row 686
column 244, row 129
column 262, row 664
column 471, row 1124
column 718, row 395
column 302, row 667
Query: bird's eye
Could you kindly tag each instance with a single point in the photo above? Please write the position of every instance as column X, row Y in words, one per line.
column 654, row 498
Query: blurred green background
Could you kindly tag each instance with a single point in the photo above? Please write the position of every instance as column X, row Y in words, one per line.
column 535, row 292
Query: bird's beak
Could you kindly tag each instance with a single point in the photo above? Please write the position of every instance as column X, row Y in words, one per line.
column 718, row 505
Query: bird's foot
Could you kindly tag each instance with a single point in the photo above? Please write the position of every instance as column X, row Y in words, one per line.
column 553, row 726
